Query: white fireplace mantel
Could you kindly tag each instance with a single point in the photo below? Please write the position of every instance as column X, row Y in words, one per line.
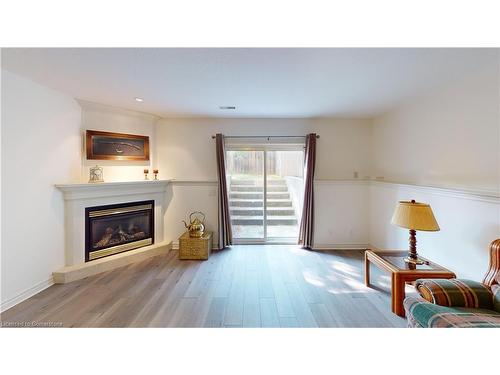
column 109, row 189
column 77, row 197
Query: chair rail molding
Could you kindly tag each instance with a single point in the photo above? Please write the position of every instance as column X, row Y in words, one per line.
column 490, row 196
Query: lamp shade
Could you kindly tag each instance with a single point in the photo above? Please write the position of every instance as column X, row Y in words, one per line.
column 414, row 215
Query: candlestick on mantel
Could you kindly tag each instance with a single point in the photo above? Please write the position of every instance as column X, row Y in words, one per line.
column 155, row 172
column 146, row 171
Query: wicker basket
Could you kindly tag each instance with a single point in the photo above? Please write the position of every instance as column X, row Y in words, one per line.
column 195, row 248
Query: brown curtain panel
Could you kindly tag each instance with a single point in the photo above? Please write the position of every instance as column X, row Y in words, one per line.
column 307, row 221
column 225, row 233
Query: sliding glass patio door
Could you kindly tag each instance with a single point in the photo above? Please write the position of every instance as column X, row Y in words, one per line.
column 265, row 192
column 245, row 176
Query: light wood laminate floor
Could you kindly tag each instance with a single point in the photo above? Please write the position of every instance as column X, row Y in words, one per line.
column 244, row 286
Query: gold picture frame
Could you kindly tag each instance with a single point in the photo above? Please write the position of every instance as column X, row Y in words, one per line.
column 102, row 145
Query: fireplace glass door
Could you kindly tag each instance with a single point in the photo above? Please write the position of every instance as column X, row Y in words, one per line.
column 113, row 229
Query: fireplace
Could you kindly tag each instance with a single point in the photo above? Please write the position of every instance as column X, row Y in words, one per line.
column 117, row 228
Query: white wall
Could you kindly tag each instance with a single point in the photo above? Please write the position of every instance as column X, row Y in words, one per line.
column 106, row 118
column 185, row 197
column 449, row 137
column 186, row 151
column 341, row 214
column 40, row 147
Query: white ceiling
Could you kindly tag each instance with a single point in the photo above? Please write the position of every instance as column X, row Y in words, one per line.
column 274, row 82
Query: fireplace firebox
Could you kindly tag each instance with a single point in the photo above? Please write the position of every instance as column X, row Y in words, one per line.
column 116, row 228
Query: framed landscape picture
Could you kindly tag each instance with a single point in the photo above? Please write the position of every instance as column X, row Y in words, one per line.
column 116, row 146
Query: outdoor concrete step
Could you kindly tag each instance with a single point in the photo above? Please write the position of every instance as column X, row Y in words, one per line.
column 276, row 182
column 279, row 202
column 247, row 211
column 277, row 195
column 246, row 188
column 258, row 188
column 259, row 220
column 233, row 181
column 246, row 203
column 260, row 203
column 257, row 182
column 271, row 211
column 280, row 211
column 255, row 195
column 247, row 220
column 271, row 188
column 281, row 220
column 246, row 195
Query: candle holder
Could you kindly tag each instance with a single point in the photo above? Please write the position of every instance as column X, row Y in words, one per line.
column 146, row 171
column 155, row 172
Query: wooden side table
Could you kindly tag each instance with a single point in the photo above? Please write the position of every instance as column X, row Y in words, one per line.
column 401, row 272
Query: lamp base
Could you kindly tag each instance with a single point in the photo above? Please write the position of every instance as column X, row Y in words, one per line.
column 417, row 261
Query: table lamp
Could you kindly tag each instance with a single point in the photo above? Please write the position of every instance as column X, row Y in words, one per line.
column 414, row 216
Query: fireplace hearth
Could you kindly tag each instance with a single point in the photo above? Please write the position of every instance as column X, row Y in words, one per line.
column 116, row 228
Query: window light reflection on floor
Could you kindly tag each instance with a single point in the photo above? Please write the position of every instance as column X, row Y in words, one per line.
column 353, row 286
column 344, row 268
column 313, row 279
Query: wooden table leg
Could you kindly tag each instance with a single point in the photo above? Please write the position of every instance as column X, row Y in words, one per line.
column 397, row 294
column 367, row 270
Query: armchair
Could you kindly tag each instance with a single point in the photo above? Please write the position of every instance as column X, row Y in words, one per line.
column 458, row 302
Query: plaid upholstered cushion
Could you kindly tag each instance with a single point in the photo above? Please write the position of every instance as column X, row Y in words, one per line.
column 422, row 313
column 455, row 293
column 496, row 297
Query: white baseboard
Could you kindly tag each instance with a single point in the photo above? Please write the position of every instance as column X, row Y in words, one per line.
column 333, row 246
column 30, row 292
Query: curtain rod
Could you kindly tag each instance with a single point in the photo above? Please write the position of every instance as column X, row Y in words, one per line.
column 265, row 136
